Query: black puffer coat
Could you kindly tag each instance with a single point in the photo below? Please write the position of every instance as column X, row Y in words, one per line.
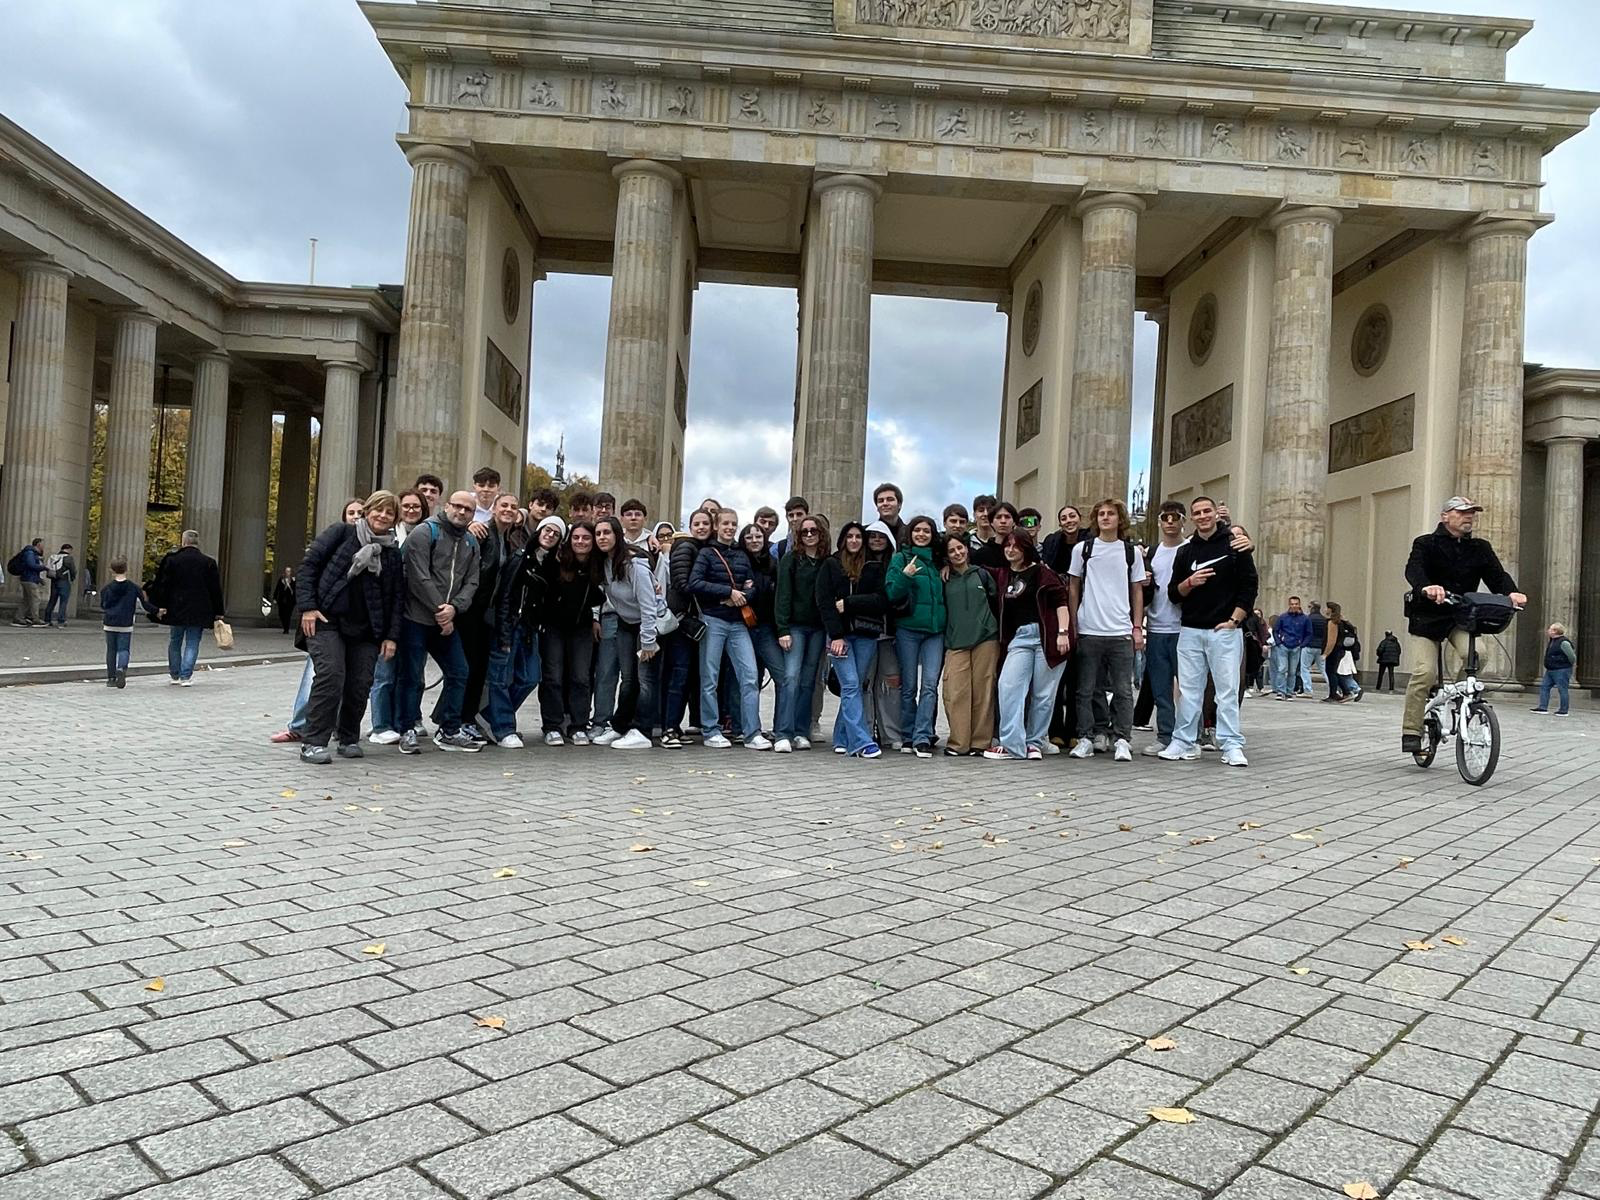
column 325, row 571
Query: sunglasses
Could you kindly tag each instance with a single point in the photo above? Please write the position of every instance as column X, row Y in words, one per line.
column 812, row 532
column 1171, row 516
column 1029, row 522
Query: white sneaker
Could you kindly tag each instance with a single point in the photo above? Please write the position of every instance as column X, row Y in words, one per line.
column 554, row 738
column 782, row 746
column 605, row 737
column 185, row 683
column 1051, row 748
column 802, row 743
column 632, row 740
column 580, row 738
column 1234, row 757
column 1084, row 749
column 816, row 734
column 511, row 741
column 1122, row 752
column 715, row 741
column 1176, row 752
column 384, row 737
column 1153, row 749
column 757, row 742
column 1102, row 743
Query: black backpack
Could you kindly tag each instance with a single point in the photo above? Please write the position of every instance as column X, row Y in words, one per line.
column 1127, row 545
column 14, row 564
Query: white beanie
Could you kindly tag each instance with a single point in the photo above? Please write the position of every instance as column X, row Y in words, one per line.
column 554, row 521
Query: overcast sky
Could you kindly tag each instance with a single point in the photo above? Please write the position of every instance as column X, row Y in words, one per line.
column 249, row 126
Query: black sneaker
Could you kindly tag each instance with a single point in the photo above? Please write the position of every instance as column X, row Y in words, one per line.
column 408, row 742
column 949, row 753
column 351, row 750
column 671, row 740
column 122, row 679
column 924, row 750
column 315, row 754
column 1410, row 743
column 111, row 683
column 460, row 741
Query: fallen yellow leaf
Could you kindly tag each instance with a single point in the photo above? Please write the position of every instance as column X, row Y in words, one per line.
column 233, row 843
column 1406, row 862
column 352, row 808
column 374, row 808
column 1124, row 828
column 156, row 985
column 1419, row 945
column 490, row 1022
column 376, row 949
column 1201, row 841
column 1172, row 1116
column 288, row 793
column 640, row 848
column 1303, row 837
column 1558, row 917
column 505, row 873
column 897, row 845
column 1161, row 1043
column 638, row 812
column 1361, row 1190
column 700, row 883
column 1453, row 940
column 666, row 812
column 1300, row 970
column 935, row 845
column 1249, row 824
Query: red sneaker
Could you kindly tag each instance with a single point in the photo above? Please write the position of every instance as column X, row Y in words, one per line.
column 284, row 735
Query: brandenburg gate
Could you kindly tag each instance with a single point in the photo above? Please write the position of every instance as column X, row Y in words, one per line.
column 1326, row 208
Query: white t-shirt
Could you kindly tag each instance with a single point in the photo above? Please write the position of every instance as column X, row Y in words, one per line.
column 1105, row 609
column 1165, row 616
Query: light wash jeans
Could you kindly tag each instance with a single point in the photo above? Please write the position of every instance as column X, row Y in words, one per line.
column 854, row 668
column 302, row 697
column 607, row 672
column 183, row 650
column 1161, row 662
column 728, row 639
column 1280, row 668
column 800, row 663
column 769, row 661
column 1220, row 652
column 513, row 676
column 921, row 659
column 1027, row 692
column 380, row 704
column 1559, row 678
column 1309, row 655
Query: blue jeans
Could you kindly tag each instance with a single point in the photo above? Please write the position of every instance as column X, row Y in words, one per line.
column 730, row 639
column 1027, row 692
column 513, row 676
column 607, row 670
column 1219, row 652
column 183, row 650
column 678, row 655
column 769, row 661
column 1559, row 678
column 1161, row 662
column 800, row 664
column 117, row 647
column 921, row 659
column 1280, row 668
column 854, row 668
column 1308, row 655
column 297, row 719
column 380, row 704
column 60, row 596
column 419, row 642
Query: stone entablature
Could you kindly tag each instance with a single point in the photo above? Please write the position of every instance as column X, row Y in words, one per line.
column 1117, row 26
column 325, row 323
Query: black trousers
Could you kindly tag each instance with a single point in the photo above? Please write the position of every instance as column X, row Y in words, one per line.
column 341, row 681
column 1385, row 669
column 566, row 687
column 477, row 642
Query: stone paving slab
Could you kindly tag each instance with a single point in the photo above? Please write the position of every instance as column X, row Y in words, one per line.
column 734, row 976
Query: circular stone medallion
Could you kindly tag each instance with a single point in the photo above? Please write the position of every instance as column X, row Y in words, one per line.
column 511, row 286
column 1032, row 318
column 1370, row 345
column 1203, row 329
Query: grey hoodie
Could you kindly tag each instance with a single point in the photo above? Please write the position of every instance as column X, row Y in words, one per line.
column 634, row 598
column 441, row 568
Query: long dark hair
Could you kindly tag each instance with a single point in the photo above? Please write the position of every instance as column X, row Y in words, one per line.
column 852, row 563
column 935, row 543
column 797, row 544
column 573, row 570
column 762, row 563
column 619, row 555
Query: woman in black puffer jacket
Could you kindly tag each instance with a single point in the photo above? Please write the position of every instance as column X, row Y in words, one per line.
column 680, row 658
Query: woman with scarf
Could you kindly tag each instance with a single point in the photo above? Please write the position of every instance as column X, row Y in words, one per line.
column 349, row 590
column 380, row 705
column 295, row 730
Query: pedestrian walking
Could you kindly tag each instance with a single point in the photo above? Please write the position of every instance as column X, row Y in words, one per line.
column 187, row 592
column 60, row 570
column 119, row 604
column 1560, row 660
column 1388, row 659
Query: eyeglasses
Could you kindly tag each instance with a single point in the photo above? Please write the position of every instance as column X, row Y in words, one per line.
column 462, row 507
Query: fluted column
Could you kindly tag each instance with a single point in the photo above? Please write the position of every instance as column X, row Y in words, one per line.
column 38, row 373
column 1161, row 314
column 366, row 432
column 294, row 490
column 206, row 454
column 837, row 346
column 1294, row 445
column 130, row 417
column 1563, row 531
column 424, row 418
column 336, row 460
column 638, row 338
column 248, row 487
column 1102, row 361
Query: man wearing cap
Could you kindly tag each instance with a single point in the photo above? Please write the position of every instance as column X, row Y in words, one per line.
column 1447, row 560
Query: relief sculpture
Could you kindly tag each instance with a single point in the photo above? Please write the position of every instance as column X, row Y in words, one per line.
column 1088, row 20
column 1376, row 434
column 1204, row 425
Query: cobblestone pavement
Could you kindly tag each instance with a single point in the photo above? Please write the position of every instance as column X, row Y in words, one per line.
column 723, row 974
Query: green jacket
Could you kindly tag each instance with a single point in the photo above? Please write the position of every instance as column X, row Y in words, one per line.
column 969, row 606
column 925, row 590
column 796, row 603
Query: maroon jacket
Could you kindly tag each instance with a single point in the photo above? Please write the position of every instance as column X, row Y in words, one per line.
column 1052, row 594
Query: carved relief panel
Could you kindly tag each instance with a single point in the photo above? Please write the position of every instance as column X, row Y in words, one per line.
column 1074, row 24
column 1204, row 425
column 1376, row 434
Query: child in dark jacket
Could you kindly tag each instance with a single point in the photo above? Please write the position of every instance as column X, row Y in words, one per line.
column 119, row 601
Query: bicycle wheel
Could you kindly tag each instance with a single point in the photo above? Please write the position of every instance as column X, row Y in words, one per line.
column 1478, row 743
column 1431, row 736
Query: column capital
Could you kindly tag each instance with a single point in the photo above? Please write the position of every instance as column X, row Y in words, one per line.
column 1126, row 201
column 136, row 316
column 1304, row 214
column 43, row 265
column 1558, row 439
column 214, row 355
column 646, row 166
column 329, row 364
column 461, row 155
column 859, row 182
column 1499, row 227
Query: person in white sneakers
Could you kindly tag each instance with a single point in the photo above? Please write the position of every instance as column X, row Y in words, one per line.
column 1166, row 624
column 1214, row 584
column 1106, row 583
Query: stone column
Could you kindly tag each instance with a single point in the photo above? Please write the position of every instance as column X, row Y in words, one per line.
column 1563, row 531
column 366, row 435
column 294, row 490
column 130, row 416
column 206, row 454
column 243, row 575
column 638, row 339
column 837, row 346
column 336, row 461
column 38, row 374
column 424, row 417
column 1294, row 446
column 1161, row 314
column 1101, row 427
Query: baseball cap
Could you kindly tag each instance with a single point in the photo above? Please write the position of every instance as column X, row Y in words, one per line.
column 1460, row 504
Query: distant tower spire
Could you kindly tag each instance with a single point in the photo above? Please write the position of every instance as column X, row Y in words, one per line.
column 560, row 477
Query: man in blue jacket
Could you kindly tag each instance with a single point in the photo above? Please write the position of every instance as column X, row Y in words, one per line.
column 1291, row 637
column 31, row 576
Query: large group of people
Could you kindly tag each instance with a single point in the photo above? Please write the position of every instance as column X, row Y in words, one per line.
column 637, row 636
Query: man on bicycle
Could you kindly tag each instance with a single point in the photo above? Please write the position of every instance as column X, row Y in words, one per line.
column 1448, row 560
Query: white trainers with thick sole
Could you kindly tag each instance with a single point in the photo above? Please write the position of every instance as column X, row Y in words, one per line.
column 632, row 740
column 758, row 742
column 1234, row 757
column 782, row 746
column 511, row 741
column 1153, row 749
column 554, row 738
column 802, row 743
column 383, row 737
column 1177, row 753
column 1084, row 749
column 715, row 741
column 604, row 738
column 1122, row 752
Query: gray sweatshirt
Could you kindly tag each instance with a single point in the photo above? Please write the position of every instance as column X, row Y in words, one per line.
column 634, row 600
column 441, row 568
